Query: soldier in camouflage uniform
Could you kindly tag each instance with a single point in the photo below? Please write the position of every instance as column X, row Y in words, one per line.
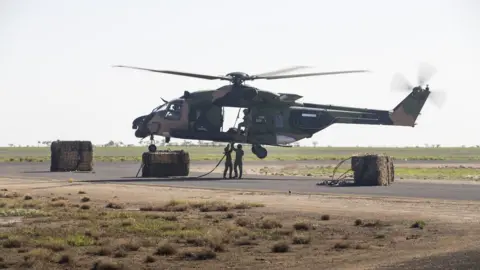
column 246, row 121
column 238, row 161
column 228, row 161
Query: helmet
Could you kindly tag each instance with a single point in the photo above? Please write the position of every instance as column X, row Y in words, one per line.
column 239, row 146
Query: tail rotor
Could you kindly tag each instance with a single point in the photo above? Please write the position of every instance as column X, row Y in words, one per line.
column 425, row 73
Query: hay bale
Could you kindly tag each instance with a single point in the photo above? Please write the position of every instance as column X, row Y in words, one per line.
column 165, row 163
column 71, row 156
column 372, row 170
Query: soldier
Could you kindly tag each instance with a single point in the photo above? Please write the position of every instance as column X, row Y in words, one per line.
column 228, row 161
column 245, row 122
column 238, row 161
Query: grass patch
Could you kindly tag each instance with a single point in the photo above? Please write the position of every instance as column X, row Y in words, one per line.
column 445, row 173
column 128, row 154
column 208, row 206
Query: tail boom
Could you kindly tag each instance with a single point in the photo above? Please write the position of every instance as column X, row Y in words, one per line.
column 404, row 114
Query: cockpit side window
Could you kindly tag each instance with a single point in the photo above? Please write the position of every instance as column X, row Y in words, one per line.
column 174, row 111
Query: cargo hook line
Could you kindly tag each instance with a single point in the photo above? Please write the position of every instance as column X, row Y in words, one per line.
column 220, row 161
column 340, row 178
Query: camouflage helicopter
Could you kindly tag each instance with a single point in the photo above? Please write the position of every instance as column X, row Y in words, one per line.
column 275, row 119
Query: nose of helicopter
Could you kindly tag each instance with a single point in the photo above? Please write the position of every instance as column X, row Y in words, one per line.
column 140, row 124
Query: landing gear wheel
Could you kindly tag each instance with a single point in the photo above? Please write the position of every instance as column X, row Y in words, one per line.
column 259, row 151
column 152, row 148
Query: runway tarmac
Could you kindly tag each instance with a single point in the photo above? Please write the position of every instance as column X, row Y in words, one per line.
column 124, row 172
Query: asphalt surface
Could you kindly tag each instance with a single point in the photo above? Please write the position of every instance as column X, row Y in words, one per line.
column 125, row 172
column 462, row 260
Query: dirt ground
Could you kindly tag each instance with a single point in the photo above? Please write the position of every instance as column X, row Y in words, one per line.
column 284, row 231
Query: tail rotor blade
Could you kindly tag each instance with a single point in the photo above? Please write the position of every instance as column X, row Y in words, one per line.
column 425, row 73
column 438, row 98
column 400, row 83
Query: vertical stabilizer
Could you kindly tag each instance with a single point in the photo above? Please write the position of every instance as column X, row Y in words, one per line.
column 407, row 111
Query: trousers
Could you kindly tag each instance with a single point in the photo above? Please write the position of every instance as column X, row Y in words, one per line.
column 228, row 167
column 238, row 166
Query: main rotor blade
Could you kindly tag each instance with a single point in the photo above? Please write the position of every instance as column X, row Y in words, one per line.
column 280, row 71
column 309, row 74
column 425, row 73
column 201, row 76
column 400, row 83
column 438, row 98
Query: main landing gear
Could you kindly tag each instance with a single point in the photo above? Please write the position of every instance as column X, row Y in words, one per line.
column 259, row 151
column 152, row 147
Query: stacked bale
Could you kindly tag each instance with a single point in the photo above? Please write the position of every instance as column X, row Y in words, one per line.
column 71, row 156
column 165, row 163
column 372, row 170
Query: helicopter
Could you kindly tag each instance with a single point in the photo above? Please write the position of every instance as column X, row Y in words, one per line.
column 273, row 119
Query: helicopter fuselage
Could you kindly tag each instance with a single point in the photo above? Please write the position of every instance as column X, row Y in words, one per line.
column 269, row 119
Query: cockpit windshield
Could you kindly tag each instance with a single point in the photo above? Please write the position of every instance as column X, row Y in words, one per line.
column 159, row 108
column 174, row 110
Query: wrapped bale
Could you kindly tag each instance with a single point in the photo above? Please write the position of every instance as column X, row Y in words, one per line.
column 71, row 156
column 372, row 170
column 165, row 163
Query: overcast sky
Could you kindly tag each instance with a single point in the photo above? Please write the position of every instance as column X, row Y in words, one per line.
column 56, row 79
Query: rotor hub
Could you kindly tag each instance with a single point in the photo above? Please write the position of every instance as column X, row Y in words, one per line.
column 238, row 78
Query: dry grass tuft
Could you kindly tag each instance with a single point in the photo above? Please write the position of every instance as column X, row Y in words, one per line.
column 166, row 249
column 420, row 224
column 301, row 240
column 85, row 199
column 12, row 243
column 202, row 255
column 107, row 265
column 341, row 245
column 58, row 204
column 65, row 259
column 302, row 226
column 113, row 205
column 281, row 247
column 269, row 224
column 149, row 259
column 244, row 222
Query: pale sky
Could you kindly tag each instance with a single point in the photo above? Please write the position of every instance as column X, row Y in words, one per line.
column 56, row 79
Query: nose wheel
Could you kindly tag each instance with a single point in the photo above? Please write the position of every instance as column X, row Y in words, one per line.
column 259, row 151
column 152, row 147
